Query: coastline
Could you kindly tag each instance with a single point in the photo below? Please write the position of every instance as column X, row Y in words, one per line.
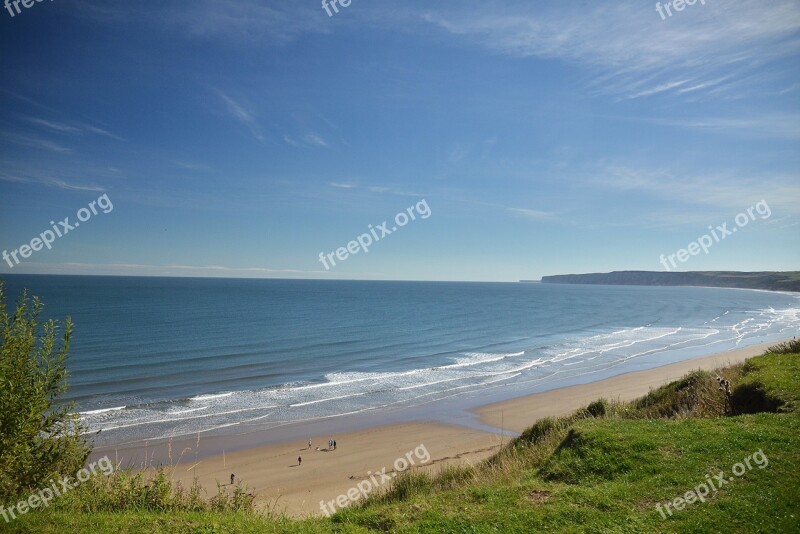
column 520, row 413
column 282, row 486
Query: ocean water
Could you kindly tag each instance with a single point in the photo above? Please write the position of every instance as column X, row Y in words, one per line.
column 165, row 357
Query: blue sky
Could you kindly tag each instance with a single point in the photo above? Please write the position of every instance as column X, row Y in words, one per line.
column 243, row 138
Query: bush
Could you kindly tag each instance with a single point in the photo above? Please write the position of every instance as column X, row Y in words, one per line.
column 789, row 347
column 598, row 408
column 40, row 438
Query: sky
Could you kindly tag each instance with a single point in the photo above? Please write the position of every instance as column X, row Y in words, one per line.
column 248, row 138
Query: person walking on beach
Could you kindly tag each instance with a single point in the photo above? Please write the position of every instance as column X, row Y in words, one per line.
column 299, row 460
column 309, row 444
column 233, row 477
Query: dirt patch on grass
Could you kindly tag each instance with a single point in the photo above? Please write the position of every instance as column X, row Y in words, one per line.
column 537, row 496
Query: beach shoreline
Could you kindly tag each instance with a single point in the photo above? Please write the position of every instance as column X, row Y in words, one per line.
column 281, row 485
column 520, row 413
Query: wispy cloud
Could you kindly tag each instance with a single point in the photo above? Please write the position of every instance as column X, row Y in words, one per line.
column 378, row 190
column 529, row 213
column 457, row 154
column 248, row 21
column 48, row 182
column 73, row 187
column 13, row 178
column 785, row 125
column 766, row 125
column 26, row 99
column 232, row 22
column 311, row 139
column 34, row 142
column 56, row 126
column 316, row 139
column 239, row 113
column 658, row 89
column 190, row 166
column 100, row 131
column 76, row 128
column 289, row 141
column 693, row 47
column 720, row 190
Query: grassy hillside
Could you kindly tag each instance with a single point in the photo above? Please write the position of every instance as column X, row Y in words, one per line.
column 601, row 469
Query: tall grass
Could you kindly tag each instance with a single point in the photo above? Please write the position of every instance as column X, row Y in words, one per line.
column 788, row 347
column 128, row 491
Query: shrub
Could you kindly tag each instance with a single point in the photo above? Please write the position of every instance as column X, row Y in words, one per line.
column 788, row 347
column 40, row 438
column 598, row 408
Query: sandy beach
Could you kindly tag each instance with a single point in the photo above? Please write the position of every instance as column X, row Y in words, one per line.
column 280, row 484
column 273, row 473
column 518, row 414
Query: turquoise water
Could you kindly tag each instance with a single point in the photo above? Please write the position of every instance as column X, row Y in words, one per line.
column 157, row 357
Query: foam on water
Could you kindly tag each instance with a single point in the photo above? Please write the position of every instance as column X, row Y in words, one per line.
column 350, row 392
column 166, row 357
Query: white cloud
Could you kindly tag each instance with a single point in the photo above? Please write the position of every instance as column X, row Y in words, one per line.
column 375, row 189
column 74, row 128
column 316, row 139
column 530, row 214
column 239, row 113
column 34, row 142
column 457, row 154
column 724, row 190
column 73, row 187
column 48, row 182
column 57, row 126
column 100, row 131
column 240, row 22
column 289, row 141
column 626, row 43
column 774, row 125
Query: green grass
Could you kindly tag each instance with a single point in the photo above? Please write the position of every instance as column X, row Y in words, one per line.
column 601, row 469
column 607, row 475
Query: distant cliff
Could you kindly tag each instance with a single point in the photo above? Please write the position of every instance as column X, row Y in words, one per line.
column 774, row 281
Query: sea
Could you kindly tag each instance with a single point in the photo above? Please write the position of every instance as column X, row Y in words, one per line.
column 158, row 358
